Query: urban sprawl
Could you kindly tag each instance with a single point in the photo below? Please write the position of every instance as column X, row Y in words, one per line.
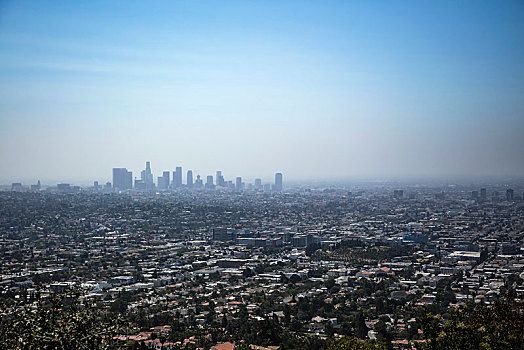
column 222, row 264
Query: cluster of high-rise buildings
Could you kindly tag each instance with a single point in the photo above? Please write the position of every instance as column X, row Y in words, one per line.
column 495, row 195
column 123, row 180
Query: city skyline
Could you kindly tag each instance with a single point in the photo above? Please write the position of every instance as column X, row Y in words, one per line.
column 333, row 90
column 123, row 180
column 349, row 181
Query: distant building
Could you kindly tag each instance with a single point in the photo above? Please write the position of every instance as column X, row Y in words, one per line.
column 278, row 182
column 122, row 179
column 140, row 185
column 238, row 184
column 474, row 195
column 440, row 195
column 16, row 187
column 209, row 182
column 299, row 241
column 508, row 248
column 64, row 187
column 220, row 179
column 464, row 256
column 198, row 182
column 189, row 178
column 163, row 181
column 483, row 194
column 224, row 234
column 147, row 177
column 232, row 263
column 509, row 194
column 398, row 194
column 167, row 181
column 258, row 184
column 37, row 187
column 177, row 177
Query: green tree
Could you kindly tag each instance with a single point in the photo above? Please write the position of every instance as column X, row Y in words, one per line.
column 60, row 323
column 497, row 326
column 352, row 343
column 361, row 330
column 383, row 335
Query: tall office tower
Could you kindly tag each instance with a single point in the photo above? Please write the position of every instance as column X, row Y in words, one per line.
column 163, row 181
column 509, row 194
column 129, row 180
column 122, row 179
column 147, row 176
column 189, row 178
column 96, row 186
column 483, row 195
column 258, row 184
column 177, row 177
column 474, row 195
column 278, row 182
column 198, row 182
column 167, row 181
column 209, row 182
column 220, row 179
column 238, row 184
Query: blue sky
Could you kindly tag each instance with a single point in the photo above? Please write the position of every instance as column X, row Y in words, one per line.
column 317, row 90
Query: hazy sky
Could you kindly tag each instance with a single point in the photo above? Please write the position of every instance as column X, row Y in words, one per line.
column 315, row 89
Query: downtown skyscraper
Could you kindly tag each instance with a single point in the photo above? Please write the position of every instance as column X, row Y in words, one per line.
column 122, row 179
column 177, row 177
column 189, row 178
column 278, row 182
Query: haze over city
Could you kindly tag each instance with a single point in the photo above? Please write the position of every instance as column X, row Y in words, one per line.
column 325, row 90
column 261, row 175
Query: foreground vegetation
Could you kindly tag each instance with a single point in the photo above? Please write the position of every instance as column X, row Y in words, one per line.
column 60, row 322
column 498, row 326
column 63, row 322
